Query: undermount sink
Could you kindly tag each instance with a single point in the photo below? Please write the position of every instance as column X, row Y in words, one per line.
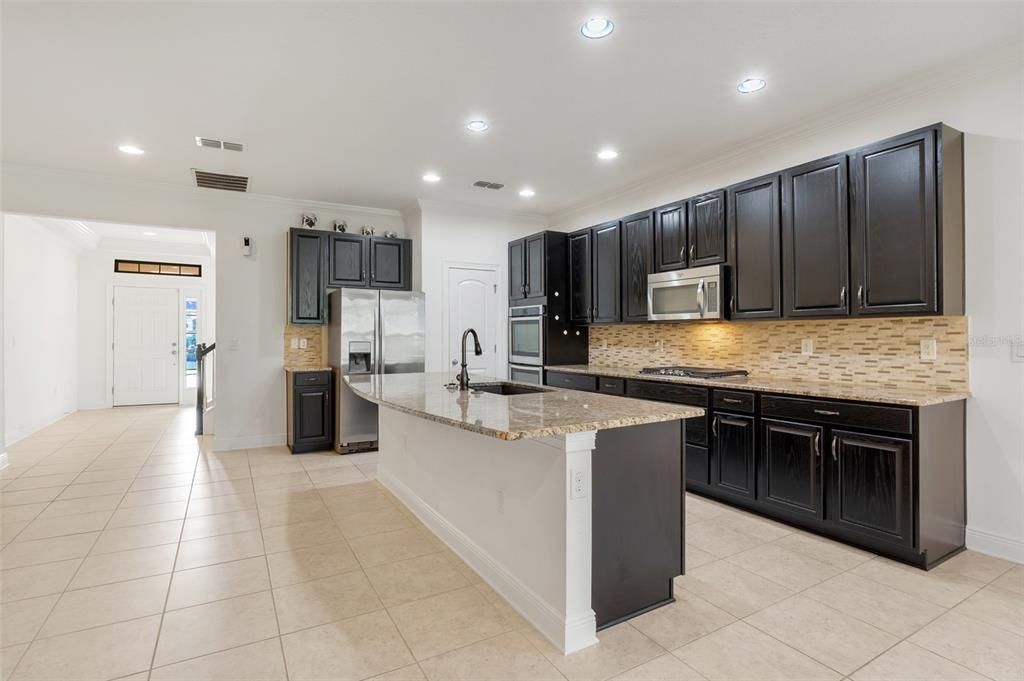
column 507, row 388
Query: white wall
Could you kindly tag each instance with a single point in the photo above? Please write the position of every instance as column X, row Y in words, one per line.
column 452, row 233
column 251, row 291
column 96, row 277
column 985, row 100
column 40, row 326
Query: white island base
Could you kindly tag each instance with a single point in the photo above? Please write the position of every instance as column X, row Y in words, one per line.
column 518, row 512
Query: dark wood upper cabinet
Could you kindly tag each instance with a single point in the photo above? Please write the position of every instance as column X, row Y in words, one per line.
column 815, row 239
column 307, row 276
column 604, row 292
column 517, row 270
column 527, row 268
column 580, row 263
column 753, row 218
column 670, row 237
column 790, row 468
column 706, row 230
column 347, row 259
column 637, row 263
column 390, row 263
column 535, row 255
column 895, row 225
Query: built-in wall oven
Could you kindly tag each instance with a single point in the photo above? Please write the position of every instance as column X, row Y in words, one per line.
column 525, row 373
column 526, row 335
column 694, row 293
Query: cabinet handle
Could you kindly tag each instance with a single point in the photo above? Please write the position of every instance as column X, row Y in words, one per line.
column 693, row 249
column 682, row 254
column 732, row 304
column 860, row 295
column 835, row 442
column 714, row 426
column 842, row 297
column 732, row 400
column 826, row 412
column 817, row 444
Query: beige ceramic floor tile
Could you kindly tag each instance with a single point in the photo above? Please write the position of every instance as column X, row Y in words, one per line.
column 752, row 525
column 314, row 562
column 38, row 481
column 790, row 569
column 348, row 650
column 1013, row 580
column 44, row 528
column 160, row 481
column 115, row 567
column 220, row 549
column 103, row 653
column 620, row 648
column 262, row 661
column 216, row 582
column 363, row 523
column 221, row 523
column 25, row 512
column 888, row 609
column 945, row 589
column 9, row 658
column 825, row 550
column 739, row 652
column 94, row 489
column 20, row 621
column 310, row 510
column 282, row 481
column 228, row 503
column 447, row 621
column 1001, row 608
column 696, row 557
column 37, row 580
column 149, row 497
column 137, row 537
column 222, row 487
column 508, row 657
column 676, row 624
column 287, row 495
column 718, row 540
column 216, row 626
column 107, row 474
column 410, row 673
column 100, row 605
column 732, row 588
column 388, row 547
column 977, row 566
column 320, row 601
column 20, row 554
column 988, row 650
column 373, row 501
column 827, row 635
column 908, row 662
column 416, row 578
column 664, row 668
column 300, row 535
column 144, row 515
column 29, row 496
column 106, row 502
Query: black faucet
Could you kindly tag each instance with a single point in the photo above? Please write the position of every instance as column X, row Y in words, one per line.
column 477, row 350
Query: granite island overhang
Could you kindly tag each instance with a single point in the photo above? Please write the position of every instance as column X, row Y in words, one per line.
column 569, row 504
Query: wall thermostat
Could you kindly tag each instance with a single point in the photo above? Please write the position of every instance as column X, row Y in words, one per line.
column 246, row 245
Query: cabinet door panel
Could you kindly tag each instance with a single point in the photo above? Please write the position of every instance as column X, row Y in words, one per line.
column 605, row 295
column 753, row 211
column 535, row 266
column 580, row 307
column 390, row 263
column 790, row 468
column 517, row 270
column 308, row 280
column 637, row 263
column 670, row 237
column 872, row 486
column 706, row 230
column 698, row 469
column 815, row 239
column 733, row 465
column 312, row 415
column 347, row 260
column 895, row 225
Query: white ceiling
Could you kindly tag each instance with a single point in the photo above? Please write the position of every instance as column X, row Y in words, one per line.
column 353, row 102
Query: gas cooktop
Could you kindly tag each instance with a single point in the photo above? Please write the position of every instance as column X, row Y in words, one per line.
column 693, row 372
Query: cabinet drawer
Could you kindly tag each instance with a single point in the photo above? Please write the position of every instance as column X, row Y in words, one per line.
column 731, row 400
column 615, row 386
column 666, row 392
column 304, row 378
column 572, row 381
column 895, row 419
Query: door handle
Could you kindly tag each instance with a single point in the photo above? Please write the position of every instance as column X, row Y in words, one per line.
column 693, row 252
column 714, row 426
column 817, row 444
column 835, row 442
column 700, row 297
column 860, row 295
column 682, row 253
column 174, row 352
column 455, row 362
column 842, row 297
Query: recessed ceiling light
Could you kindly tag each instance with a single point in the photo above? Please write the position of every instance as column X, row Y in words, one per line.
column 607, row 154
column 597, row 27
column 751, row 85
column 131, row 149
column 477, row 126
column 526, row 192
column 431, row 177
column 149, row 233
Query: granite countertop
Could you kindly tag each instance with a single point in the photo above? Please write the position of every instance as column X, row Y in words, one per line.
column 912, row 397
column 292, row 370
column 511, row 417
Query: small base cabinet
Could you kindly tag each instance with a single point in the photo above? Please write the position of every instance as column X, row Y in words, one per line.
column 310, row 411
column 790, row 470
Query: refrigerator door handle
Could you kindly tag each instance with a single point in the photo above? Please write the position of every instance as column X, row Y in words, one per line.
column 380, row 338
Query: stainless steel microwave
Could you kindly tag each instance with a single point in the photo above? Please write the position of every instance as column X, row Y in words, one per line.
column 696, row 293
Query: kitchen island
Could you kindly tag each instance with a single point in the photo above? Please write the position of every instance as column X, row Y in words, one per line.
column 568, row 504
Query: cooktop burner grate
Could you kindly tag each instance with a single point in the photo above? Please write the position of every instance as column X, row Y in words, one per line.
column 693, row 372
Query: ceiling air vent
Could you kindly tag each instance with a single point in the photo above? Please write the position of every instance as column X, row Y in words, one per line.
column 211, row 143
column 231, row 183
column 484, row 184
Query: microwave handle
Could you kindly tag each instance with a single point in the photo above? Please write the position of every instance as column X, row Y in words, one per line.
column 700, row 297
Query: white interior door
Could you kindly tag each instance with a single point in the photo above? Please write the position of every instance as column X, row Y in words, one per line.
column 146, row 351
column 473, row 303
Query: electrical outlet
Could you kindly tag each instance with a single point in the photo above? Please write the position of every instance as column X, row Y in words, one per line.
column 807, row 346
column 294, row 344
column 303, row 343
column 929, row 350
column 578, row 486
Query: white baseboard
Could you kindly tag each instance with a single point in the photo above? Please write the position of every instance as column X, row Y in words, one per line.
column 17, row 434
column 995, row 545
column 565, row 635
column 221, row 444
column 4, row 460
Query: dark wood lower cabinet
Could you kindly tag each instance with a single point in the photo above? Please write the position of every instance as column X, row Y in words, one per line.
column 310, row 411
column 733, row 464
column 790, row 468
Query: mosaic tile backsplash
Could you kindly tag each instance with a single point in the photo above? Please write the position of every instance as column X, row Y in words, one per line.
column 882, row 352
column 310, row 357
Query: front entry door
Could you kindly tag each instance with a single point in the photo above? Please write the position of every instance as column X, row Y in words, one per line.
column 473, row 303
column 145, row 346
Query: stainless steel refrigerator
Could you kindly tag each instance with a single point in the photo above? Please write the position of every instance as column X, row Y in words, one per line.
column 370, row 332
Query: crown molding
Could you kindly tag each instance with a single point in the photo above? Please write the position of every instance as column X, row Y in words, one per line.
column 457, row 208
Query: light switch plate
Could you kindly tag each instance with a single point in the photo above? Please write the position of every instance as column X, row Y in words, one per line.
column 929, row 350
column 303, row 343
column 294, row 344
column 807, row 346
